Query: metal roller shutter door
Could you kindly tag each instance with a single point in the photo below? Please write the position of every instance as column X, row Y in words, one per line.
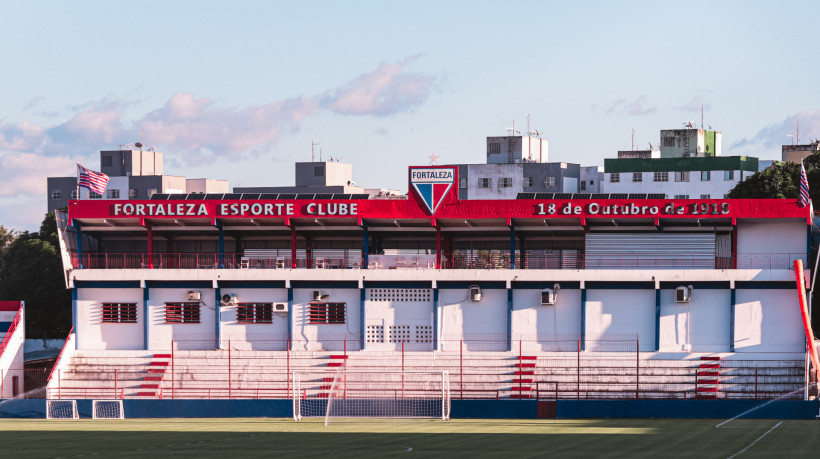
column 650, row 250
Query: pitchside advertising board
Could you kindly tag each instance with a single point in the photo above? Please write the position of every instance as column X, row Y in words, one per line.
column 433, row 193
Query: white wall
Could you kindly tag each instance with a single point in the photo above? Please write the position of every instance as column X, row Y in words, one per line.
column 402, row 313
column 328, row 337
column 702, row 325
column 776, row 243
column 620, row 311
column 557, row 326
column 11, row 361
column 271, row 336
column 94, row 334
column 484, row 321
column 187, row 336
column 768, row 321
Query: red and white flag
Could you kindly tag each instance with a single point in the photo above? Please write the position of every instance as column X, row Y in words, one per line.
column 804, row 187
column 94, row 181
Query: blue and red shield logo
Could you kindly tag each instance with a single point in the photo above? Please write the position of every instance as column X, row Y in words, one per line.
column 432, row 184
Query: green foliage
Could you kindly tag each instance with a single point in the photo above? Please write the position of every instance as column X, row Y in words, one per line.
column 780, row 181
column 33, row 272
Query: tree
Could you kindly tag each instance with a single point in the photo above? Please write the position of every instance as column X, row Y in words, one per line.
column 780, row 181
column 33, row 272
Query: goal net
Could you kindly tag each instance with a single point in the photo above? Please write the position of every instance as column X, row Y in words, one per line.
column 361, row 394
column 107, row 409
column 61, row 409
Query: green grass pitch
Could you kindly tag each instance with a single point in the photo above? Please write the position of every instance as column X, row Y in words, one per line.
column 511, row 438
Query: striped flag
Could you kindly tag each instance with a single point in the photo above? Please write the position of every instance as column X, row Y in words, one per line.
column 94, row 181
column 804, row 187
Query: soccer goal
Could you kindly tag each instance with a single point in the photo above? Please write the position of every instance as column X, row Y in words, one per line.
column 362, row 394
column 61, row 409
column 107, row 409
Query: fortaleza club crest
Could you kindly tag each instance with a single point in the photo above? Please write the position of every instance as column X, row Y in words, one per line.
column 432, row 184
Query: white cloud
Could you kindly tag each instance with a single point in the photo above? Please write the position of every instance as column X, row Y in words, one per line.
column 777, row 134
column 635, row 107
column 25, row 173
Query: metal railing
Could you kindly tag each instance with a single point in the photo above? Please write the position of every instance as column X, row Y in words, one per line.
column 489, row 260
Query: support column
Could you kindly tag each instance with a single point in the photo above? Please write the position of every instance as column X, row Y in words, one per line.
column 583, row 316
column 658, row 317
column 512, row 245
column 290, row 317
column 74, row 313
column 733, row 296
column 150, row 245
column 218, row 324
column 362, row 319
column 365, row 246
column 308, row 253
column 436, row 311
column 293, row 247
column 221, row 244
column 146, row 318
column 438, row 247
column 79, row 228
column 509, row 316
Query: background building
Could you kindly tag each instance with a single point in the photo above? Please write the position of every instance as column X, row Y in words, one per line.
column 133, row 174
column 320, row 177
column 797, row 153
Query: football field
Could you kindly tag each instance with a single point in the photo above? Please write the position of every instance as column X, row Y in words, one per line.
column 260, row 437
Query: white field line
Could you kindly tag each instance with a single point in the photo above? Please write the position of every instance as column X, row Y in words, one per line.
column 757, row 440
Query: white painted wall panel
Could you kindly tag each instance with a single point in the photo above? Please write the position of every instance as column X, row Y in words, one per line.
column 620, row 311
column 255, row 336
column 462, row 319
column 702, row 325
column 93, row 334
column 768, row 321
column 554, row 326
column 773, row 244
column 400, row 313
column 326, row 336
column 190, row 336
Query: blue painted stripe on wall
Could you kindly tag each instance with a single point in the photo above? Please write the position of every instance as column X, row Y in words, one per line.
column 621, row 285
column 461, row 284
column 252, row 284
column 398, row 284
column 324, row 284
column 717, row 409
column 4, row 327
column 766, row 285
column 106, row 284
column 697, row 285
column 179, row 284
column 541, row 285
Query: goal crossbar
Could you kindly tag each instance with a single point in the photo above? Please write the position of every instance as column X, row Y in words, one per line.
column 61, row 409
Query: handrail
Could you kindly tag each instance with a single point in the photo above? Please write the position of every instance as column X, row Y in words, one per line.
column 60, row 355
column 10, row 331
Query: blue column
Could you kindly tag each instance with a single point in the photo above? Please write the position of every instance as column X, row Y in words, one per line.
column 290, row 318
column 362, row 322
column 365, row 247
column 218, row 309
column 74, row 315
column 435, row 318
column 658, row 319
column 583, row 318
column 78, row 226
column 732, row 322
column 146, row 318
column 221, row 245
column 509, row 317
column 512, row 246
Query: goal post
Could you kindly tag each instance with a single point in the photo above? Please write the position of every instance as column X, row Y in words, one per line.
column 61, row 409
column 107, row 409
column 371, row 394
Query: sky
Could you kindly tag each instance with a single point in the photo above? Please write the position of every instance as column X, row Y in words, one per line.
column 238, row 90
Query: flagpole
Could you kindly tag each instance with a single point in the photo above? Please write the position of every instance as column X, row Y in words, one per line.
column 78, row 181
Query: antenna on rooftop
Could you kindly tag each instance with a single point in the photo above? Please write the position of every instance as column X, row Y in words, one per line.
column 313, row 151
column 633, row 139
column 701, row 116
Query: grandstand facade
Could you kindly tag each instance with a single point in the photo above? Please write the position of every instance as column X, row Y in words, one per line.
column 549, row 297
